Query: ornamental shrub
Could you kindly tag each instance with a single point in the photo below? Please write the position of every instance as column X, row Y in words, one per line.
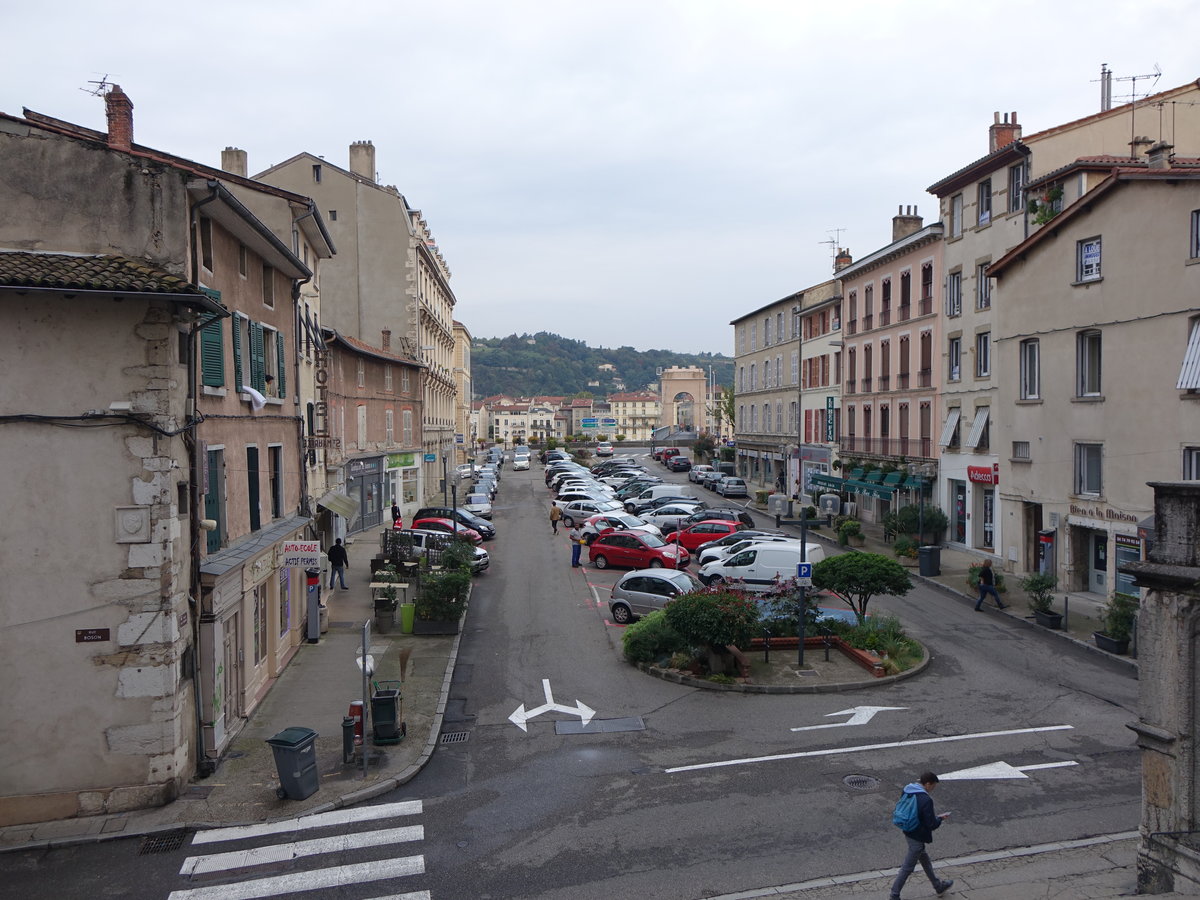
column 715, row 617
column 651, row 639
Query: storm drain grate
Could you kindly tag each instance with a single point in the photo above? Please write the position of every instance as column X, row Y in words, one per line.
column 455, row 737
column 861, row 782
column 161, row 843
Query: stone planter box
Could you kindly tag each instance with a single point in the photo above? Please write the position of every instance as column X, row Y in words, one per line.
column 1050, row 620
column 1104, row 642
column 864, row 658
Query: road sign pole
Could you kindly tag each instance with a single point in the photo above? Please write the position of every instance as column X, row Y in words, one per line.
column 803, row 590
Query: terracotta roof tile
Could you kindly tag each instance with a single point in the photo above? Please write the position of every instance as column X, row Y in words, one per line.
column 114, row 274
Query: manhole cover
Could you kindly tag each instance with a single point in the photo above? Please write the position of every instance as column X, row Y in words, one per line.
column 161, row 843
column 861, row 782
column 455, row 737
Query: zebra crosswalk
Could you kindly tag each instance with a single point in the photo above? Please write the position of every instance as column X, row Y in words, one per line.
column 247, row 859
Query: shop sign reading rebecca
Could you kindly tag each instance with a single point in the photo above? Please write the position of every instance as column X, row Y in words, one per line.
column 320, row 439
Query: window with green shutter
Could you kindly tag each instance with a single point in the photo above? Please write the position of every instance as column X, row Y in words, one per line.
column 258, row 368
column 237, row 353
column 280, row 358
column 212, row 355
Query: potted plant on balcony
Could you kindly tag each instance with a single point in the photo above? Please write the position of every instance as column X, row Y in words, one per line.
column 1117, row 617
column 1040, row 588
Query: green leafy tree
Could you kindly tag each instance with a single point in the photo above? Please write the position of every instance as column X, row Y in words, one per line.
column 704, row 446
column 854, row 578
column 717, row 618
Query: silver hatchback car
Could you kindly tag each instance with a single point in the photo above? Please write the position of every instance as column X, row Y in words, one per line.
column 643, row 591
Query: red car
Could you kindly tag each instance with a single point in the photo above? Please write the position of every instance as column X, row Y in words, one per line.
column 449, row 527
column 701, row 533
column 636, row 550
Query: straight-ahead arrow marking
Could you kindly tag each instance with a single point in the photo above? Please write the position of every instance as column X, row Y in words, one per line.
column 859, row 715
column 834, row 751
column 1000, row 769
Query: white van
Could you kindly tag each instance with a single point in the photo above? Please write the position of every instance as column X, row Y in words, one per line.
column 653, row 492
column 760, row 566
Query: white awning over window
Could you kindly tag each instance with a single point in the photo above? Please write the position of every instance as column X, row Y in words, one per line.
column 346, row 507
column 951, row 423
column 1189, row 374
column 980, row 423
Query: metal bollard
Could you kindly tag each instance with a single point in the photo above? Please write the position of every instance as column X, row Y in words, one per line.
column 347, row 739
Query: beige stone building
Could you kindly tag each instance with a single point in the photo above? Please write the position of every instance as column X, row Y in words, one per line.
column 637, row 414
column 1098, row 365
column 464, row 425
column 816, row 423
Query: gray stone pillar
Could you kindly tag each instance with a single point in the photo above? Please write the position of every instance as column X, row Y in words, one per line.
column 1169, row 687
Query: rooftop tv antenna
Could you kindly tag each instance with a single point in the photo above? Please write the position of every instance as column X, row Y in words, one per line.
column 102, row 86
column 834, row 241
column 1133, row 95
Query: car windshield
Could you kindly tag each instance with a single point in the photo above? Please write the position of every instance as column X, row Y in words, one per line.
column 685, row 582
column 477, row 498
column 652, row 541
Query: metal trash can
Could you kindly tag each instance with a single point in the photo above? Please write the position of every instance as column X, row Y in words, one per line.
column 296, row 761
column 929, row 560
column 386, row 714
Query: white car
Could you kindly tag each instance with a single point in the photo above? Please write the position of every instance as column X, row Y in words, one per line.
column 604, row 448
column 620, row 521
column 584, row 508
column 712, row 554
column 695, row 472
column 478, row 505
column 520, row 463
column 668, row 516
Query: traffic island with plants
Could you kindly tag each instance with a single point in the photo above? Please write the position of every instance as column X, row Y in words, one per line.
column 1040, row 589
column 1117, row 617
column 443, row 592
column 704, row 636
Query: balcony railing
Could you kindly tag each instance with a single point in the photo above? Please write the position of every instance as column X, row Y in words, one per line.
column 866, row 385
column 850, row 386
column 924, row 378
column 883, row 383
column 885, row 317
column 884, row 446
column 852, row 326
column 902, row 381
column 868, row 321
column 905, row 312
column 926, row 305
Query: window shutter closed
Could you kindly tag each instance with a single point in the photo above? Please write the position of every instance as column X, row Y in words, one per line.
column 281, row 359
column 258, row 361
column 212, row 356
column 237, row 354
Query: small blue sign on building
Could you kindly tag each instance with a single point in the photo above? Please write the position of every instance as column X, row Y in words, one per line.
column 430, row 457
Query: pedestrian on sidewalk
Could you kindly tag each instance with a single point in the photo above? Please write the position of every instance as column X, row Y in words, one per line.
column 338, row 561
column 918, row 837
column 555, row 515
column 397, row 518
column 987, row 585
column 575, row 536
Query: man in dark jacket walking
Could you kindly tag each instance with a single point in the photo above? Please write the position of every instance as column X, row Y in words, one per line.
column 338, row 560
column 987, row 585
column 927, row 821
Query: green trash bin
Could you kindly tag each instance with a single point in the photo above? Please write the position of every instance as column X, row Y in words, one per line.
column 296, row 761
column 408, row 612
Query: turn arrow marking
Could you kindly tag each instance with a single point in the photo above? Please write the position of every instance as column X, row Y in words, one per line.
column 1000, row 769
column 521, row 716
column 859, row 715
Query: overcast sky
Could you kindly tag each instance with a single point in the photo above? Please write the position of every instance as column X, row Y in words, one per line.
column 622, row 173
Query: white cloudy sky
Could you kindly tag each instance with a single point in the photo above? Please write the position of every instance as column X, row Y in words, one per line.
column 621, row 172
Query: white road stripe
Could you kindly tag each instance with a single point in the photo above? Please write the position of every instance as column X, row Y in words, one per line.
column 414, row 895
column 300, row 823
column 835, row 751
column 274, row 853
column 339, row 876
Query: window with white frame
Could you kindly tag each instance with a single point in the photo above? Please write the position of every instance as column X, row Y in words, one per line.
column 779, row 326
column 779, row 371
column 1031, row 369
column 954, row 294
column 779, row 415
column 361, row 376
column 985, row 202
column 983, row 354
column 956, row 216
column 1089, row 481
column 1191, row 463
column 767, row 418
column 405, row 382
column 1087, row 364
column 1088, row 260
column 1194, row 241
column 1016, row 188
column 983, row 287
column 406, row 427
column 767, row 331
column 753, row 335
column 387, row 378
column 389, row 426
column 954, row 359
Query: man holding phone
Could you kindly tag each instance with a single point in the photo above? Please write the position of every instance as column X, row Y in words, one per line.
column 922, row 834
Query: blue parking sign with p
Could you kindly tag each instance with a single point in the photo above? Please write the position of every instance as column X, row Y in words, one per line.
column 804, row 574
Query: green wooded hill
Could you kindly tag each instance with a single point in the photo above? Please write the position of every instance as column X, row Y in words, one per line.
column 527, row 365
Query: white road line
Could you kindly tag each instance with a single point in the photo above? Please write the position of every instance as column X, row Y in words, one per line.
column 274, row 853
column 339, row 876
column 414, row 895
column 835, row 751
column 301, row 823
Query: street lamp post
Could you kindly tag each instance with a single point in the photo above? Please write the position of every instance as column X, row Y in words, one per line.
column 800, row 625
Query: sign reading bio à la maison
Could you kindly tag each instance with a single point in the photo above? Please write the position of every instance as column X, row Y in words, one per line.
column 306, row 554
column 319, row 439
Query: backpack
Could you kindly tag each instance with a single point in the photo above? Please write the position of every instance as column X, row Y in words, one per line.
column 905, row 815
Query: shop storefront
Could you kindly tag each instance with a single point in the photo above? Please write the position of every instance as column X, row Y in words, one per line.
column 971, row 503
column 403, row 481
column 1101, row 539
column 365, row 484
column 805, row 465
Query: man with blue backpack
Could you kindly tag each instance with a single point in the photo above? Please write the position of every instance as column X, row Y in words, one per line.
column 914, row 816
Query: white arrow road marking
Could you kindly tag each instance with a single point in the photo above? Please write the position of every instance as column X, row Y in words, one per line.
column 520, row 716
column 834, row 751
column 1000, row 769
column 859, row 715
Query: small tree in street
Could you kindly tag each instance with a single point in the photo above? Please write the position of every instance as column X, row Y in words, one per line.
column 855, row 578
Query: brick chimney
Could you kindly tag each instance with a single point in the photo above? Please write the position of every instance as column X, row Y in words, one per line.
column 1001, row 134
column 234, row 161
column 843, row 259
column 119, row 108
column 905, row 222
column 362, row 159
column 1158, row 156
column 387, row 339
